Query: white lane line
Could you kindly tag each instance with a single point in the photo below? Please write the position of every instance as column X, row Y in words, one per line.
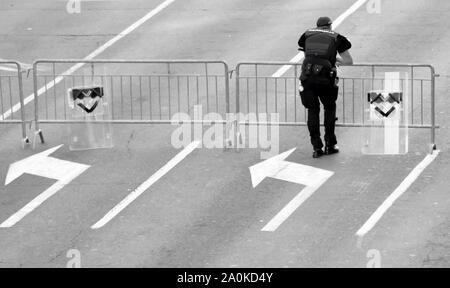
column 409, row 180
column 280, row 72
column 146, row 185
column 91, row 56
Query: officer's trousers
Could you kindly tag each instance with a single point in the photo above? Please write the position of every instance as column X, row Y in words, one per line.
column 310, row 96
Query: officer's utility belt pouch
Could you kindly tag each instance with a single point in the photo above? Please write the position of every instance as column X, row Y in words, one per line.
column 317, row 69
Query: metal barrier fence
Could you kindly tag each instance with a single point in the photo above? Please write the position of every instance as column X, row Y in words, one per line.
column 260, row 90
column 11, row 96
column 140, row 91
column 153, row 91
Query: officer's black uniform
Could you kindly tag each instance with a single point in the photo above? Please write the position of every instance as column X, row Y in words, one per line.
column 319, row 79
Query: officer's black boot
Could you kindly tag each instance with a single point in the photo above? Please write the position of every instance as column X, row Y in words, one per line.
column 333, row 149
column 318, row 153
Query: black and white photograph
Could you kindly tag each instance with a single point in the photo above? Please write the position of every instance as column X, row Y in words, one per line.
column 227, row 143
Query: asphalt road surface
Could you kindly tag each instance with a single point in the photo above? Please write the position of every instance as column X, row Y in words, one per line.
column 204, row 210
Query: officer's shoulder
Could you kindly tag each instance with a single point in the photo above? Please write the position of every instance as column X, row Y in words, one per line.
column 342, row 38
column 315, row 30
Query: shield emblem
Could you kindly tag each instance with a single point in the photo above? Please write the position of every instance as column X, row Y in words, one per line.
column 384, row 104
column 87, row 99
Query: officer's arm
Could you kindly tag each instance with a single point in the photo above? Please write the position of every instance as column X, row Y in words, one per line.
column 344, row 58
column 301, row 43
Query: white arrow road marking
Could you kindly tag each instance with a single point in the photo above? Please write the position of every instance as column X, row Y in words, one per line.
column 277, row 168
column 146, row 185
column 280, row 72
column 44, row 166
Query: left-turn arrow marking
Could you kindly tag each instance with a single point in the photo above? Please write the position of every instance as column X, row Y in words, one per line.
column 42, row 165
column 277, row 168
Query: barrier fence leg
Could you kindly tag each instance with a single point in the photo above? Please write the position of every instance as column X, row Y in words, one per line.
column 38, row 133
column 433, row 111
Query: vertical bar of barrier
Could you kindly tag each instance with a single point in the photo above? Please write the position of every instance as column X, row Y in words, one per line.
column 207, row 87
column 295, row 92
column 10, row 96
column 131, row 97
column 433, row 109
column 343, row 101
column 38, row 131
column 285, row 100
column 54, row 87
column 227, row 104
column 216, row 82
column 188, row 93
column 140, row 95
column 64, row 97
column 170, row 94
column 256, row 84
column 22, row 104
column 178, row 93
column 227, row 88
column 1, row 98
column 150, row 97
column 373, row 77
column 46, row 97
column 421, row 102
column 238, row 106
column 112, row 97
column 265, row 94
column 238, row 90
column 276, row 95
column 159, row 97
column 353, row 101
column 248, row 93
column 363, row 100
column 121, row 96
column 198, row 91
column 412, row 95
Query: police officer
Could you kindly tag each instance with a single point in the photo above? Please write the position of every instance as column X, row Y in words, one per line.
column 319, row 80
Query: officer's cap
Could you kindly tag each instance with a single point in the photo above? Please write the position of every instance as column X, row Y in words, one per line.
column 324, row 21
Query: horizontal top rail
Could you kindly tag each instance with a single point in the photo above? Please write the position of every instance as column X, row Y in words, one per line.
column 10, row 62
column 362, row 64
column 294, row 77
column 131, row 61
column 139, row 75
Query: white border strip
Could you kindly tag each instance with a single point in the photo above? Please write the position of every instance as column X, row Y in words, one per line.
column 91, row 56
column 280, row 72
column 409, row 180
column 146, row 185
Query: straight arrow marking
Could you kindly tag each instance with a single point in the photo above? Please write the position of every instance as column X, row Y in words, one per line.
column 146, row 185
column 44, row 166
